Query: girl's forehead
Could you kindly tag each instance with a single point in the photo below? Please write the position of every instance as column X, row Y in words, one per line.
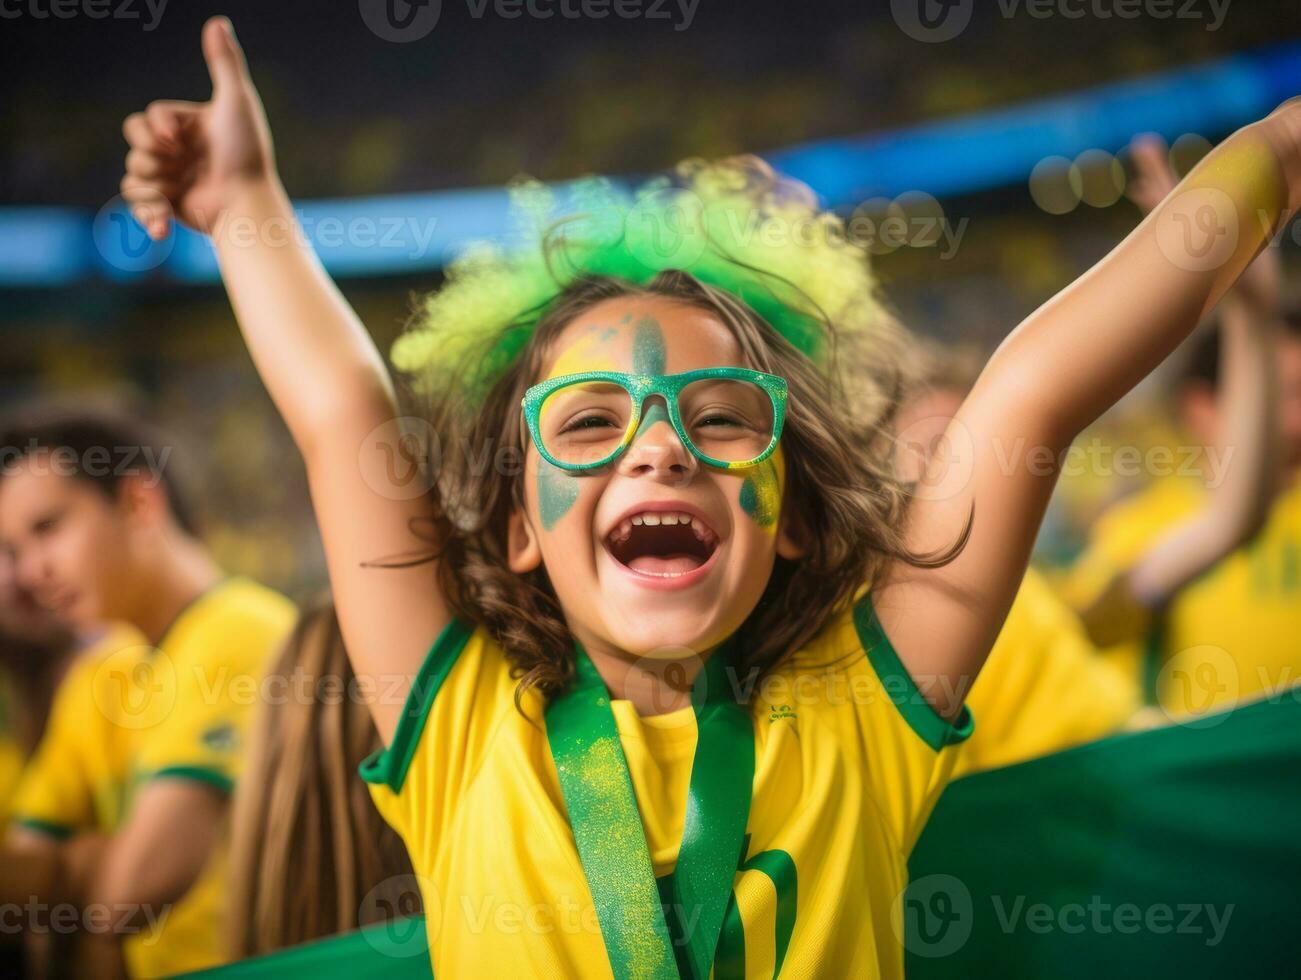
column 641, row 335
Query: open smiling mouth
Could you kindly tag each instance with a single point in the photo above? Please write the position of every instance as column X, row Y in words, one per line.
column 663, row 543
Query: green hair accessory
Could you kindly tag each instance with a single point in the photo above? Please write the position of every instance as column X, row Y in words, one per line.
column 734, row 224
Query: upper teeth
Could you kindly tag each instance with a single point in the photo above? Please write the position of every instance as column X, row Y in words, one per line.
column 656, row 518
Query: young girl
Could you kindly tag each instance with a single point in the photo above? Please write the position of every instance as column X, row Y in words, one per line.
column 650, row 486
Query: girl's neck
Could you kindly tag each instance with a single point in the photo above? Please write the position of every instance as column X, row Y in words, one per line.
column 177, row 579
column 654, row 686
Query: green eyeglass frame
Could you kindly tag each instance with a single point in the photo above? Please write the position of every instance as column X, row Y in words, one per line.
column 667, row 386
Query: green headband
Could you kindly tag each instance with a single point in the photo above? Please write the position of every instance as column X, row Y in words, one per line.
column 734, row 225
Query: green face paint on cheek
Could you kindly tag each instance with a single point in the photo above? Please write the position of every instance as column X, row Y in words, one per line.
column 647, row 347
column 761, row 494
column 557, row 493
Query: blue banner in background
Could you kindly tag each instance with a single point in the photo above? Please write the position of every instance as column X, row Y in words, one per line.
column 400, row 234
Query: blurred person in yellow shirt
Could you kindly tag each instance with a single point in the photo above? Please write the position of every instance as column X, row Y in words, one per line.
column 1217, row 620
column 35, row 648
column 1233, row 632
column 120, row 814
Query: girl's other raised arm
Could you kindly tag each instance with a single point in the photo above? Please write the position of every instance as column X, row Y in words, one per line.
column 1055, row 374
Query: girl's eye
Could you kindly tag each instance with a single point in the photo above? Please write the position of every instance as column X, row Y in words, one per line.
column 587, row 422
column 717, row 419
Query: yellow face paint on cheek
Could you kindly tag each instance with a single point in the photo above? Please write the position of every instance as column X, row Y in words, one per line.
column 761, row 491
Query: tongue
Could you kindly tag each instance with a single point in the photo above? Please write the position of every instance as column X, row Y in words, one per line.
column 664, row 564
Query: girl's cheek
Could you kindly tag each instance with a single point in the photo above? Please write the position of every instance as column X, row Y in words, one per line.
column 557, row 493
column 761, row 492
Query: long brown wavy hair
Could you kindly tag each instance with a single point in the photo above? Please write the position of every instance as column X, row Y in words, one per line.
column 842, row 499
column 310, row 855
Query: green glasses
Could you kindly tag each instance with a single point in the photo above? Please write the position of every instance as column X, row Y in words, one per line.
column 728, row 417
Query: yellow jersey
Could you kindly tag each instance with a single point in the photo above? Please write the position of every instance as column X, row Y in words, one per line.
column 128, row 713
column 1233, row 633
column 1044, row 687
column 11, row 750
column 13, row 756
column 849, row 760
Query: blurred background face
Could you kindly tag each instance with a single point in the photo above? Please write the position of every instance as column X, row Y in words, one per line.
column 70, row 546
column 21, row 617
column 657, row 551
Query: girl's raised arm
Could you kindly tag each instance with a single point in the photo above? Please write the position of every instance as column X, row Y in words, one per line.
column 1056, row 373
column 211, row 165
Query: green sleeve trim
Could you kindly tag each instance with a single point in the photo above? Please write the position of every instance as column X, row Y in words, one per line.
column 198, row 774
column 388, row 767
column 54, row 831
column 921, row 717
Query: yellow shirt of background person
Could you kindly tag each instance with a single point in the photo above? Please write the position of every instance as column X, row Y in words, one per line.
column 1232, row 634
column 848, row 763
column 11, row 752
column 13, row 758
column 1044, row 688
column 132, row 713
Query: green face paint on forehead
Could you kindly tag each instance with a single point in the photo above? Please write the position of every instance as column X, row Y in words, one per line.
column 647, row 347
column 557, row 493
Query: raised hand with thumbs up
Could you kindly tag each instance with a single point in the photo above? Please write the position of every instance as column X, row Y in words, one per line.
column 192, row 159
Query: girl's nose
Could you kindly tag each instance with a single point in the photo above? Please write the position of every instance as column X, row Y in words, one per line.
column 655, row 446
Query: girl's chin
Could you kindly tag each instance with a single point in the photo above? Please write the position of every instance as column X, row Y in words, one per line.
column 664, row 633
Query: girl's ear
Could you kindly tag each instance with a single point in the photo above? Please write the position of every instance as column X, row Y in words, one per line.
column 523, row 553
column 792, row 538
